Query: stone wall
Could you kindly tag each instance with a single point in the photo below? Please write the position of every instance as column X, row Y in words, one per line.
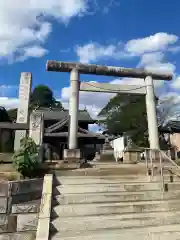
column 19, row 208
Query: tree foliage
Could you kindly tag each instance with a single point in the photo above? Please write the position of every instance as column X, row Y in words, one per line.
column 26, row 159
column 168, row 108
column 12, row 114
column 6, row 136
column 42, row 96
column 127, row 114
column 4, row 117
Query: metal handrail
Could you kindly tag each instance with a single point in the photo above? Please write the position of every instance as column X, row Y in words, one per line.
column 161, row 171
column 170, row 160
column 160, row 154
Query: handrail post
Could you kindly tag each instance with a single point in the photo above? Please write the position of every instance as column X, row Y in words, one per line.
column 161, row 171
column 146, row 159
column 151, row 160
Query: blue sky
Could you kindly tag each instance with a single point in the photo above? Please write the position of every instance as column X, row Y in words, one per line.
column 127, row 33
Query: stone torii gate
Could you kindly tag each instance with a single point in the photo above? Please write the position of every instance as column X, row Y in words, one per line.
column 147, row 89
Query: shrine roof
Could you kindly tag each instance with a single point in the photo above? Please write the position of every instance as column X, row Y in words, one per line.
column 56, row 114
column 79, row 135
column 53, row 131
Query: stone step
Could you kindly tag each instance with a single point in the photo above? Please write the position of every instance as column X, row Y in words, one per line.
column 146, row 233
column 141, row 165
column 114, row 208
column 109, row 197
column 103, row 171
column 120, row 221
column 111, row 179
column 115, row 187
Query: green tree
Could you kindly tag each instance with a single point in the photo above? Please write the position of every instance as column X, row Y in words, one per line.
column 6, row 136
column 42, row 96
column 127, row 114
column 4, row 117
column 12, row 114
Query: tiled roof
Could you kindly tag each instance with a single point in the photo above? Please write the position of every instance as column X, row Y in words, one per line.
column 57, row 126
column 55, row 114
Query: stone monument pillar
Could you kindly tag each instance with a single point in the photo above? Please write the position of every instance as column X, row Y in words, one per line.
column 23, row 109
column 36, row 127
column 36, row 131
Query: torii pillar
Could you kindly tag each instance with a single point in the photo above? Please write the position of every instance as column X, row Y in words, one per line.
column 151, row 114
column 77, row 68
column 73, row 154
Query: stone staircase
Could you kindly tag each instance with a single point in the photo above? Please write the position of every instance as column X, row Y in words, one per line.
column 100, row 204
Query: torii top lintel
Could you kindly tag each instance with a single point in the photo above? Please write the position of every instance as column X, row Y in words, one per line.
column 104, row 70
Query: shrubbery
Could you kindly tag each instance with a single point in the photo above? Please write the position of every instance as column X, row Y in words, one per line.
column 26, row 160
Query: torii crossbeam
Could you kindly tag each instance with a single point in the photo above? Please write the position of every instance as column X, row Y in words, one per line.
column 104, row 70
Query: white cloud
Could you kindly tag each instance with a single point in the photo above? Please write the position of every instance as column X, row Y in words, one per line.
column 33, row 51
column 9, row 103
column 135, row 81
column 26, row 23
column 164, row 68
column 154, row 62
column 156, row 42
column 174, row 49
column 92, row 52
column 176, row 83
column 151, row 51
column 173, row 96
column 151, row 58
